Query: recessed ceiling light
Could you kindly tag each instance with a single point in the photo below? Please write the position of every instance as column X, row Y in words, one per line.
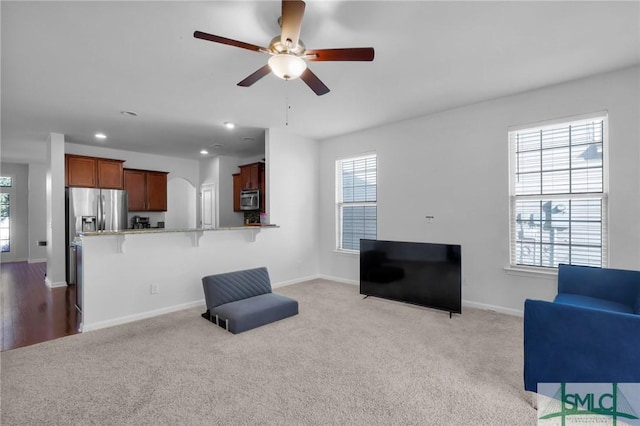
column 216, row 145
column 229, row 125
column 129, row 113
column 247, row 139
column 204, row 152
column 100, row 136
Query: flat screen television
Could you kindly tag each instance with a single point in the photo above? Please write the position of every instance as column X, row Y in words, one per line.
column 423, row 274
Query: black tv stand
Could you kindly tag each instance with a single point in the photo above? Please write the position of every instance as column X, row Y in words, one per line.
column 367, row 295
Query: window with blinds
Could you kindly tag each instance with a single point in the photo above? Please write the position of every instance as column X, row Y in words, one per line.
column 356, row 184
column 558, row 194
column 5, row 214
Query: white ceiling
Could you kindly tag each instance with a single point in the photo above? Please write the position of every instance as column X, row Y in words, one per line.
column 71, row 67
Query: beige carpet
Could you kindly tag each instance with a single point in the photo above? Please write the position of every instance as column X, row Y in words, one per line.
column 341, row 361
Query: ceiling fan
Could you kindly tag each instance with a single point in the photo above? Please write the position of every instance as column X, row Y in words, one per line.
column 288, row 52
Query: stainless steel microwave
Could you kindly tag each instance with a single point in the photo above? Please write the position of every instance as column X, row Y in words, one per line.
column 250, row 199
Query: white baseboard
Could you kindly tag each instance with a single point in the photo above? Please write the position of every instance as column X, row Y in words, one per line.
column 338, row 279
column 56, row 284
column 499, row 309
column 201, row 302
column 470, row 304
column 19, row 259
column 294, row 281
column 142, row 315
column 37, row 260
column 315, row 277
column 167, row 310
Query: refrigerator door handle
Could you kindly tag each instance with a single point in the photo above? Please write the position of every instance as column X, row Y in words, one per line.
column 101, row 224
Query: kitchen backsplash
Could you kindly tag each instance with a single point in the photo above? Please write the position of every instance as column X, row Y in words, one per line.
column 252, row 217
column 154, row 218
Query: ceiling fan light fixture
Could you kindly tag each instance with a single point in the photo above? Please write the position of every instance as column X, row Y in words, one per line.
column 287, row 66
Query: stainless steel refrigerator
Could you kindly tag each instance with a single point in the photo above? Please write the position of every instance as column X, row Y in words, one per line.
column 90, row 210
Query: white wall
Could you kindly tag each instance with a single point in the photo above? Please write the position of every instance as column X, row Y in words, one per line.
column 454, row 166
column 25, row 151
column 252, row 159
column 292, row 201
column 19, row 207
column 55, row 202
column 181, row 204
column 37, row 212
column 178, row 261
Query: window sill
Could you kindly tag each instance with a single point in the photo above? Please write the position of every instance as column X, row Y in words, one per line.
column 531, row 272
column 347, row 252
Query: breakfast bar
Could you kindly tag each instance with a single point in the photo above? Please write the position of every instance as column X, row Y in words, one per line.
column 134, row 274
column 196, row 233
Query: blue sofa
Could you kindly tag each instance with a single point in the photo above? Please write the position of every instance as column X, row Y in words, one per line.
column 242, row 300
column 590, row 333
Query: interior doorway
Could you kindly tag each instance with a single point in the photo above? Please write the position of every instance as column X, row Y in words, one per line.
column 209, row 206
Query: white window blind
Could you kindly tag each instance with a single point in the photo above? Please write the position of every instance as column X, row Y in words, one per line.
column 558, row 194
column 356, row 200
column 5, row 213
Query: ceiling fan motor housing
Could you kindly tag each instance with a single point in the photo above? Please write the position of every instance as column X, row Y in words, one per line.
column 277, row 47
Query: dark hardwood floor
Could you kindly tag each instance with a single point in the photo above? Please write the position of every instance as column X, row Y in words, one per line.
column 31, row 312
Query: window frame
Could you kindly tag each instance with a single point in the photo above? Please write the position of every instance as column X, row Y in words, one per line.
column 10, row 191
column 339, row 204
column 603, row 196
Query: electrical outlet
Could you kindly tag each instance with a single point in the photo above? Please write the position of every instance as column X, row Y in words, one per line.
column 155, row 288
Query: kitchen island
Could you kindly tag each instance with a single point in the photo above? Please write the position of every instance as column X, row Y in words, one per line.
column 134, row 274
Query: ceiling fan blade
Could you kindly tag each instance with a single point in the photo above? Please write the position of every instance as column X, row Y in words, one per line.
column 292, row 13
column 348, row 54
column 255, row 76
column 230, row 42
column 314, row 82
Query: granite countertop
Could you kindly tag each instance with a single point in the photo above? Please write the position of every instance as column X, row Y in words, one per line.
column 166, row 230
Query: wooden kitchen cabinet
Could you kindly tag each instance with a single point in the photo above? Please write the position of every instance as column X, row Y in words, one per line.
column 147, row 190
column 157, row 191
column 80, row 171
column 251, row 176
column 93, row 172
column 237, row 187
column 110, row 173
column 135, row 185
column 263, row 190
